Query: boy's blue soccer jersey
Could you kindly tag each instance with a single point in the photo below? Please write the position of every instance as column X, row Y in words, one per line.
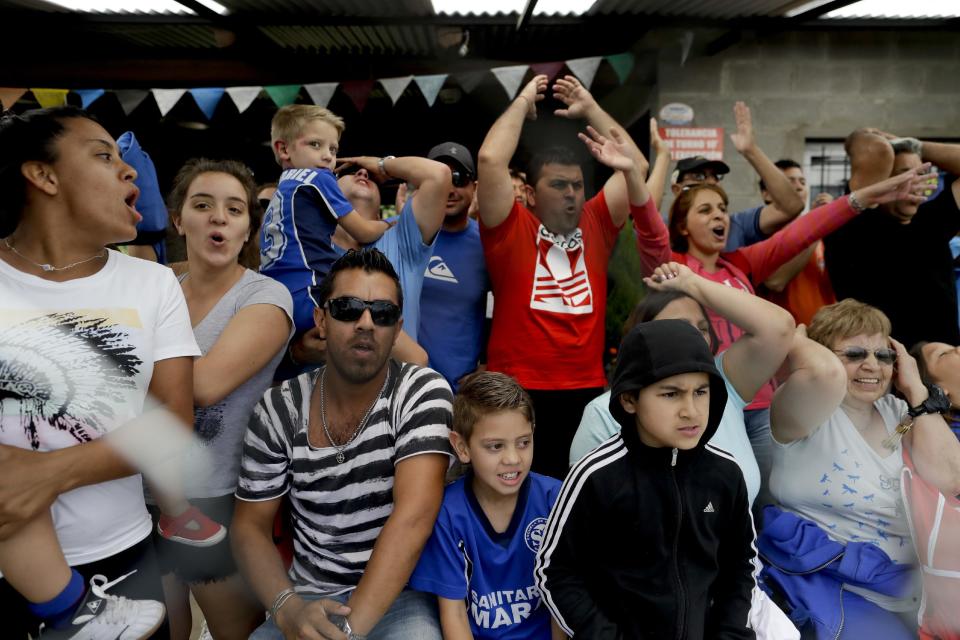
column 465, row 559
column 296, row 246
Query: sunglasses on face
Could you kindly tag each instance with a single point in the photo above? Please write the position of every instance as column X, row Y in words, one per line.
column 859, row 354
column 460, row 177
column 349, row 309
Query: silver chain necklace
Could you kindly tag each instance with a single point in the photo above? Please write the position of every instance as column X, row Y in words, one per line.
column 323, row 417
column 49, row 267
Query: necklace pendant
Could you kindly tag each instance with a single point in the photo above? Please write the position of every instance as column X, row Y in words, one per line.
column 48, row 267
column 340, row 457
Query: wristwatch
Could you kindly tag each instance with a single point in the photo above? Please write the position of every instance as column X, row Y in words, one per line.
column 936, row 402
column 381, row 167
column 344, row 626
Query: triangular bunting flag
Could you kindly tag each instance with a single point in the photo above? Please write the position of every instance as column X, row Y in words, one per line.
column 9, row 97
column 622, row 63
column 283, row 94
column 50, row 97
column 88, row 96
column 166, row 98
column 130, row 99
column 321, row 92
column 359, row 91
column 469, row 80
column 585, row 69
column 243, row 97
column 395, row 86
column 510, row 78
column 430, row 86
column 550, row 69
column 207, row 99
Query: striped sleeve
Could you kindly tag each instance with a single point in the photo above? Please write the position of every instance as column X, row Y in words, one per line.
column 267, row 450
column 571, row 528
column 425, row 413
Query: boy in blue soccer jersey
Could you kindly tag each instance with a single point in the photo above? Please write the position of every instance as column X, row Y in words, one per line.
column 479, row 559
column 295, row 240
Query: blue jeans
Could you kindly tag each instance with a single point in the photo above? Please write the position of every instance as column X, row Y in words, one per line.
column 757, row 422
column 412, row 615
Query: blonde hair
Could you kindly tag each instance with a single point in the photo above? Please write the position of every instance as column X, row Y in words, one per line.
column 484, row 393
column 846, row 319
column 289, row 121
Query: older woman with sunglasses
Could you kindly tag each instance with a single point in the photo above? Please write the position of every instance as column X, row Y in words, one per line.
column 841, row 548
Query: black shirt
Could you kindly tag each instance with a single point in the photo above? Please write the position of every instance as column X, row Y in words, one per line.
column 906, row 270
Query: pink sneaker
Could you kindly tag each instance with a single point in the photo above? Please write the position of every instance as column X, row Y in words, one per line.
column 191, row 527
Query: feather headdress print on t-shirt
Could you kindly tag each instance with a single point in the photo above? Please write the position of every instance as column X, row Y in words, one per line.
column 67, row 370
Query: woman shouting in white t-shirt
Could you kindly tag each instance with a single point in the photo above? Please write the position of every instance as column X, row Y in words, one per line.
column 85, row 334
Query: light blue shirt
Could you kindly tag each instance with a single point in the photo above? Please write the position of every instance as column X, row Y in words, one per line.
column 598, row 425
column 405, row 249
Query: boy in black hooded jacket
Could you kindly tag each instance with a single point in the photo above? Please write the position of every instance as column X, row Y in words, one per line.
column 651, row 536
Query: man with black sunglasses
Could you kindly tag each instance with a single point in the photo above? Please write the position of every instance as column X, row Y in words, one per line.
column 455, row 285
column 361, row 448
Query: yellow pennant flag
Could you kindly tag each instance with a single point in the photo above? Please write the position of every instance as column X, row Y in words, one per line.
column 50, row 97
column 9, row 96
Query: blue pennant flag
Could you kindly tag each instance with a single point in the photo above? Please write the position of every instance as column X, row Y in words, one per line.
column 88, row 96
column 207, row 99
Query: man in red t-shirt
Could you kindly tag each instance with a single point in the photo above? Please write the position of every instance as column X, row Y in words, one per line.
column 548, row 263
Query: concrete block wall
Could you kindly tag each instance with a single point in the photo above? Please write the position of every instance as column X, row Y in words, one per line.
column 816, row 84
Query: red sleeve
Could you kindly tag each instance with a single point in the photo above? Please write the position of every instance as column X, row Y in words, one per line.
column 653, row 238
column 596, row 207
column 768, row 255
column 494, row 238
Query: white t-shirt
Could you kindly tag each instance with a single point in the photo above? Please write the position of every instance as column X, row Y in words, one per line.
column 76, row 359
column 834, row 478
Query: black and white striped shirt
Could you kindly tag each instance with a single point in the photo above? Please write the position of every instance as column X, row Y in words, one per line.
column 339, row 509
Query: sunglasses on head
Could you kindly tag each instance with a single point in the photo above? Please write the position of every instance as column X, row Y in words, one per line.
column 858, row 354
column 349, row 309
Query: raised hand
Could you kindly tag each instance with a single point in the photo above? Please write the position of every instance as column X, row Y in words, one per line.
column 906, row 377
column 574, row 95
column 743, row 140
column 656, row 142
column 910, row 186
column 533, row 93
column 671, row 276
column 615, row 152
column 370, row 163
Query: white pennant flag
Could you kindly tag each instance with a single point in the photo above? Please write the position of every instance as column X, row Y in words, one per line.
column 243, row 97
column 430, row 86
column 395, row 86
column 585, row 69
column 166, row 98
column 510, row 78
column 321, row 92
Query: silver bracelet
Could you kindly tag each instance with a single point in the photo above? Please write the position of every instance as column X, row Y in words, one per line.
column 855, row 203
column 281, row 600
column 382, row 168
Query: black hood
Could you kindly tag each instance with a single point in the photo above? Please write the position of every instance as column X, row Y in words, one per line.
column 659, row 349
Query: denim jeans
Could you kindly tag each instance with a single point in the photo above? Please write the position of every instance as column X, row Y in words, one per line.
column 412, row 615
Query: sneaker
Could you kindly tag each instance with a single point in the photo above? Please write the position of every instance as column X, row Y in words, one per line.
column 205, row 632
column 191, row 527
column 101, row 616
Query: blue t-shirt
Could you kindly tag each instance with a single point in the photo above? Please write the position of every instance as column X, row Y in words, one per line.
column 295, row 240
column 744, row 229
column 453, row 303
column 465, row 559
column 405, row 249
